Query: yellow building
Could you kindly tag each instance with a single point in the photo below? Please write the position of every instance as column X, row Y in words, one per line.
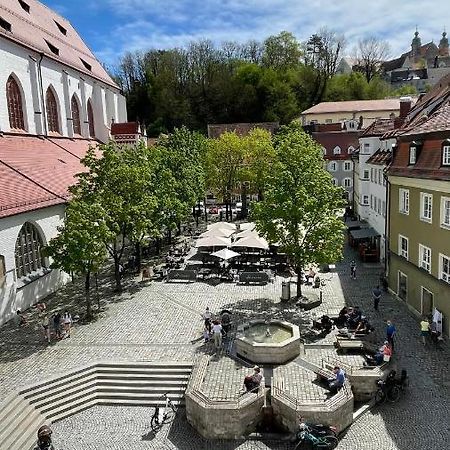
column 362, row 112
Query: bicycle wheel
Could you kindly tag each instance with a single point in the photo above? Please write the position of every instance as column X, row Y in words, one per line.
column 327, row 442
column 380, row 397
column 169, row 413
column 393, row 394
column 155, row 422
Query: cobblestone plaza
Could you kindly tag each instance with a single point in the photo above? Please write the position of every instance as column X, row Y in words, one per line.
column 162, row 322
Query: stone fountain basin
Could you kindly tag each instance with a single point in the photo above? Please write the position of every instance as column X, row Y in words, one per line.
column 269, row 352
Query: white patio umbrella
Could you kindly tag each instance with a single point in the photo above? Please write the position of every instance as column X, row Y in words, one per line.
column 225, row 254
column 246, row 233
column 222, row 225
column 252, row 242
column 213, row 241
column 247, row 226
column 225, row 232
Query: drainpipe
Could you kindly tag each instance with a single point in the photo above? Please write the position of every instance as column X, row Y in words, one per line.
column 44, row 113
column 387, row 224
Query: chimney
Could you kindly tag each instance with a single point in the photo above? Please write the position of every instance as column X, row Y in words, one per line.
column 405, row 107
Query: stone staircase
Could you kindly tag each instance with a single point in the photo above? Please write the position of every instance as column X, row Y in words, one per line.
column 103, row 383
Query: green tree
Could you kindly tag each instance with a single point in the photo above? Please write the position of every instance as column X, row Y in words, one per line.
column 121, row 181
column 281, row 51
column 224, row 162
column 79, row 247
column 259, row 158
column 184, row 154
column 301, row 204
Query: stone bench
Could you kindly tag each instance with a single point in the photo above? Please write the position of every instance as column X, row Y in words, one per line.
column 254, row 277
column 182, row 275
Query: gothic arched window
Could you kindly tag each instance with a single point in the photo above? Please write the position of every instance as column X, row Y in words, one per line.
column 75, row 115
column 90, row 114
column 14, row 100
column 28, row 250
column 52, row 111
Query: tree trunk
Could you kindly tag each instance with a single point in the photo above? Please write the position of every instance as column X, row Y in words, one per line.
column 169, row 237
column 260, row 195
column 138, row 261
column 117, row 275
column 178, row 229
column 87, row 291
column 298, row 271
column 96, row 290
column 158, row 246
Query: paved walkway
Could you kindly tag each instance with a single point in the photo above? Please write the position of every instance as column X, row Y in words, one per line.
column 159, row 321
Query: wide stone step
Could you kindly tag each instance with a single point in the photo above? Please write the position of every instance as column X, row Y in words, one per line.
column 19, row 421
column 24, row 436
column 70, row 406
column 182, row 377
column 144, row 382
column 72, row 409
column 9, row 405
column 145, row 370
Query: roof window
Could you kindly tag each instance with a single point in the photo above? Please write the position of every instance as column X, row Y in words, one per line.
column 86, row 64
column 5, row 25
column 25, row 6
column 52, row 48
column 61, row 28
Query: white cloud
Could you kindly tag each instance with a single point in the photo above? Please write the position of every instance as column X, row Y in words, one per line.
column 169, row 23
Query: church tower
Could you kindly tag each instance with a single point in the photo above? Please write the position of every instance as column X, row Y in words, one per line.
column 415, row 46
column 443, row 45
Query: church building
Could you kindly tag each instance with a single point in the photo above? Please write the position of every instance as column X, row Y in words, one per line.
column 56, row 100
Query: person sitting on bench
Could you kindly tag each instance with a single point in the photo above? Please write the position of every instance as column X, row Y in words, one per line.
column 337, row 381
column 252, row 382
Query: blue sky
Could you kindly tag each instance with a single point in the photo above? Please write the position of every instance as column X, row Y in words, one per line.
column 112, row 27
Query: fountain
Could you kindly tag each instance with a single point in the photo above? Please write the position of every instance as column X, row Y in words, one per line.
column 273, row 342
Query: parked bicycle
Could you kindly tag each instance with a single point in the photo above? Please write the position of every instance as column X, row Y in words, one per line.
column 391, row 388
column 316, row 437
column 163, row 414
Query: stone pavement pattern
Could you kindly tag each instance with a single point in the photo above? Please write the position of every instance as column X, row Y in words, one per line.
column 161, row 322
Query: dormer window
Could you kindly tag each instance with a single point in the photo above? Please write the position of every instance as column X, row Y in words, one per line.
column 446, row 153
column 5, row 24
column 414, row 151
column 52, row 48
column 337, row 150
column 86, row 64
column 61, row 28
column 25, row 6
column 412, row 155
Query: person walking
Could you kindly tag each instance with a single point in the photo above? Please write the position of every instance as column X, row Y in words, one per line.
column 424, row 330
column 207, row 316
column 57, row 324
column 217, row 334
column 376, row 294
column 46, row 326
column 353, row 269
column 390, row 333
column 67, row 321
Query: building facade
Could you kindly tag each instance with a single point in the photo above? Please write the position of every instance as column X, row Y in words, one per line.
column 56, row 100
column 422, row 66
column 419, row 220
column 362, row 112
column 338, row 146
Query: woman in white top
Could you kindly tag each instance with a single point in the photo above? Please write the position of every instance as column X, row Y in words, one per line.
column 217, row 334
column 67, row 320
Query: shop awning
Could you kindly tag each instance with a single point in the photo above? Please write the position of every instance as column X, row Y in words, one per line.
column 364, row 233
column 354, row 224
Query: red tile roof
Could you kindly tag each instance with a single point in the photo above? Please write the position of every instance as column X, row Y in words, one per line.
column 241, row 129
column 34, row 29
column 428, row 164
column 389, row 104
column 379, row 127
column 36, row 172
column 18, row 194
column 380, row 157
column 437, row 121
column 343, row 139
column 125, row 128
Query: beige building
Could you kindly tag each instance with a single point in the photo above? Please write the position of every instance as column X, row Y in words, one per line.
column 419, row 207
column 361, row 112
